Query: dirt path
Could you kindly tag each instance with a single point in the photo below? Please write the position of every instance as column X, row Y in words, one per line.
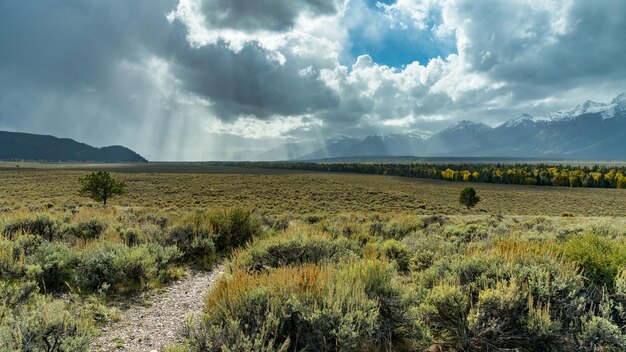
column 158, row 321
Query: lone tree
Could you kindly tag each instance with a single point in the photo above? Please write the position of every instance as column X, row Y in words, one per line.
column 100, row 186
column 468, row 197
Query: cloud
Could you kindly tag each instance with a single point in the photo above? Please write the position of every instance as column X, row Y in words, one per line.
column 183, row 79
column 253, row 81
column 270, row 15
column 542, row 46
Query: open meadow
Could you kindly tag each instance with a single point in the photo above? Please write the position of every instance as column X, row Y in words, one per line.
column 278, row 192
column 311, row 262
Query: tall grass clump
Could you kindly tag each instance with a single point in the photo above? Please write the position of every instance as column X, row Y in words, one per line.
column 313, row 308
column 288, row 309
column 203, row 236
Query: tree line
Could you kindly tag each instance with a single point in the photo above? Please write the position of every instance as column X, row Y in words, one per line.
column 597, row 176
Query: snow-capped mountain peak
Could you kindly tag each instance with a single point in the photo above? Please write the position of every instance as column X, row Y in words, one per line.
column 380, row 136
column 617, row 106
column 466, row 124
column 620, row 99
column 419, row 134
column 521, row 120
column 589, row 107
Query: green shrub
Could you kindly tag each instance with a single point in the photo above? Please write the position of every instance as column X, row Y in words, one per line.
column 275, row 222
column 313, row 219
column 232, row 227
column 396, row 252
column 398, row 228
column 86, row 230
column 97, row 266
column 195, row 244
column 124, row 269
column 599, row 257
column 275, row 252
column 288, row 309
column 465, row 233
column 41, row 225
column 445, row 311
column 33, row 322
column 599, row 334
column 203, row 233
column 434, row 219
column 381, row 284
column 130, row 236
column 376, row 227
column 13, row 254
column 160, row 221
column 502, row 319
column 58, row 264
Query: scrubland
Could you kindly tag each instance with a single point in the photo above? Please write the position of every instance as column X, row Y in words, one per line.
column 317, row 262
column 276, row 192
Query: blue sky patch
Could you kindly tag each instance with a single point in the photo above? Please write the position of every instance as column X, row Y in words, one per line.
column 389, row 43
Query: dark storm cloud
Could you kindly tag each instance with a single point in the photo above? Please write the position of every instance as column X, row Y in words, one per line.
column 60, row 64
column 250, row 81
column 71, row 48
column 122, row 71
column 66, row 43
column 270, row 15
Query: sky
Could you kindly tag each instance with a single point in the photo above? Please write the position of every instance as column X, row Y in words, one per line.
column 224, row 79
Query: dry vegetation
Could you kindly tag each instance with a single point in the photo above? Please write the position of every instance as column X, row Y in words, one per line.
column 277, row 192
column 330, row 262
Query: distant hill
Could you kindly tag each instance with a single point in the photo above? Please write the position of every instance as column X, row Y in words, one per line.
column 590, row 131
column 33, row 147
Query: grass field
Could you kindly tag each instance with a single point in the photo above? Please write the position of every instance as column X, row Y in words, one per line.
column 316, row 261
column 277, row 192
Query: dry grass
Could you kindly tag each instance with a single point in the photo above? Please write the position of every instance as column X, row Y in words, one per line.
column 275, row 192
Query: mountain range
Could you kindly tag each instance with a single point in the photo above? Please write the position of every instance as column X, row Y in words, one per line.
column 589, row 131
column 34, row 147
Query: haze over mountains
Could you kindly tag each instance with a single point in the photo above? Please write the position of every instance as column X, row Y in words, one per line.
column 33, row 147
column 589, row 131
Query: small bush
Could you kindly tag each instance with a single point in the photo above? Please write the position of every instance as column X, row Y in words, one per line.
column 232, row 227
column 294, row 250
column 398, row 228
column 445, row 313
column 97, row 267
column 599, row 257
column 130, row 236
column 313, row 219
column 381, row 284
column 275, row 222
column 33, row 322
column 397, row 252
column 195, row 244
column 13, row 255
column 58, row 264
column 288, row 309
column 41, row 225
column 434, row 219
column 86, row 230
column 503, row 319
column 599, row 334
column 123, row 269
column 465, row 233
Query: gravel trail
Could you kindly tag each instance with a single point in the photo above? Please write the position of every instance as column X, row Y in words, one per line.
column 158, row 320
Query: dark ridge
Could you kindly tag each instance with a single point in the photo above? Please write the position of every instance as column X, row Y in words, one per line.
column 32, row 147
